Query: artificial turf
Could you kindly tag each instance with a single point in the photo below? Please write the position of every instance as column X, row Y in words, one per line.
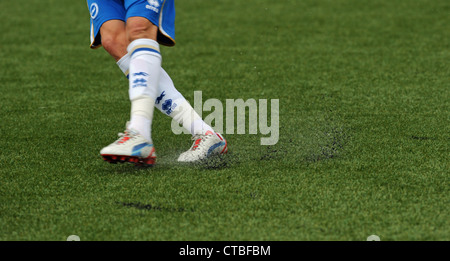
column 363, row 88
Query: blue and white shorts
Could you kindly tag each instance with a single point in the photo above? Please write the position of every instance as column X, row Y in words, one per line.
column 160, row 12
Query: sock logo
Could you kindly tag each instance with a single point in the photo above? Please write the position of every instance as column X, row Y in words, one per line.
column 140, row 83
column 158, row 100
column 153, row 5
column 140, row 74
column 94, row 10
column 168, row 106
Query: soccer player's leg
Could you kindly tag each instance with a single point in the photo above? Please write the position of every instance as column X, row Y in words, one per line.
column 136, row 145
column 207, row 143
column 108, row 29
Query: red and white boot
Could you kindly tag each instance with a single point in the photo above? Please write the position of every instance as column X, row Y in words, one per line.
column 130, row 147
column 204, row 146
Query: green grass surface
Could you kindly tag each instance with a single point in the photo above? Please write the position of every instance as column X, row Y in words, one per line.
column 364, row 124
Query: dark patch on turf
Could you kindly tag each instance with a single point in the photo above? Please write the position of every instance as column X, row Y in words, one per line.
column 329, row 135
column 331, row 144
column 150, row 207
column 276, row 151
column 219, row 162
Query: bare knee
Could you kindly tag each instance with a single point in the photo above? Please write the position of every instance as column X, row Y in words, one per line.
column 114, row 45
column 114, row 39
column 139, row 27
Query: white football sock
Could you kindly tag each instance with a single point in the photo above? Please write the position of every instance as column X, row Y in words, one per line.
column 171, row 102
column 144, row 71
column 141, row 117
column 124, row 64
column 189, row 118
